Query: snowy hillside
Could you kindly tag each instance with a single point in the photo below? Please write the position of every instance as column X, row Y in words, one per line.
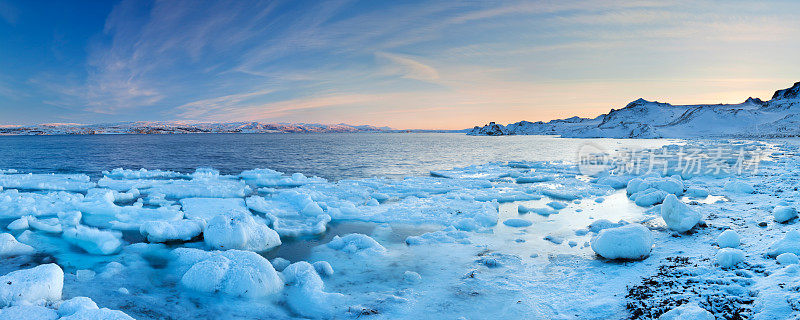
column 171, row 127
column 777, row 117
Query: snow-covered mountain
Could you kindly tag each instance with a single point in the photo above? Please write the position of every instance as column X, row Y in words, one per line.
column 173, row 127
column 778, row 117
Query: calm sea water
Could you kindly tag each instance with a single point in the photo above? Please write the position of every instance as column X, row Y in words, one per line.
column 330, row 155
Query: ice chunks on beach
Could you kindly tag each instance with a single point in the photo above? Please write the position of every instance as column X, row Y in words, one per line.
column 120, row 173
column 209, row 188
column 305, row 292
column 55, row 182
column 272, row 178
column 687, row 311
column 448, row 235
column 738, row 186
column 629, row 242
column 696, row 192
column 783, row 214
column 28, row 312
column 208, row 208
column 356, row 243
column 648, row 191
column 9, row 246
column 93, row 240
column 672, row 185
column 790, row 243
column 16, row 204
column 163, row 231
column 240, row 231
column 35, row 286
column 233, row 272
column 728, row 239
column 787, row 258
column 728, row 258
column 678, row 215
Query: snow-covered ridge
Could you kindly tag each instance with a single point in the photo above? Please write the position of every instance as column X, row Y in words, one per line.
column 172, row 127
column 778, row 117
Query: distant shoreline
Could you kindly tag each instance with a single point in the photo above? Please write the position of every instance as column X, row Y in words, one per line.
column 210, row 133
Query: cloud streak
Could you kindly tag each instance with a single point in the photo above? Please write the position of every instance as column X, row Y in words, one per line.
column 420, row 64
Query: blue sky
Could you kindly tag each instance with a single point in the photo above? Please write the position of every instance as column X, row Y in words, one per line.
column 405, row 64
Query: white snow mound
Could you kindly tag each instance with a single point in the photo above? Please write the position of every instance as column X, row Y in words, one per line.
column 629, row 242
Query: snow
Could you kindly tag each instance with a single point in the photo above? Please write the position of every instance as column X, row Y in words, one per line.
column 688, row 311
column 728, row 239
column 678, row 216
column 35, row 286
column 729, row 257
column 629, row 242
column 232, row 272
column 783, row 214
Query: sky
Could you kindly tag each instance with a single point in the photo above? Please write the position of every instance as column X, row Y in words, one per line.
column 403, row 64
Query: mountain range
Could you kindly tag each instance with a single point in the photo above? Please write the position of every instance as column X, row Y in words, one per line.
column 753, row 118
column 178, row 127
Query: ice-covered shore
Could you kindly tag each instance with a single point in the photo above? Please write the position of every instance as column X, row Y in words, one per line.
column 521, row 239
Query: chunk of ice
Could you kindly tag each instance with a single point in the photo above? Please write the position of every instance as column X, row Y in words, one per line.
column 36, row 286
column 629, row 242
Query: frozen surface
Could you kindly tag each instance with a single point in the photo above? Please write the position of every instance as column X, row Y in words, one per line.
column 519, row 239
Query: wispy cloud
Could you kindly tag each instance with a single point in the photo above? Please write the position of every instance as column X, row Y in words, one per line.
column 413, row 63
